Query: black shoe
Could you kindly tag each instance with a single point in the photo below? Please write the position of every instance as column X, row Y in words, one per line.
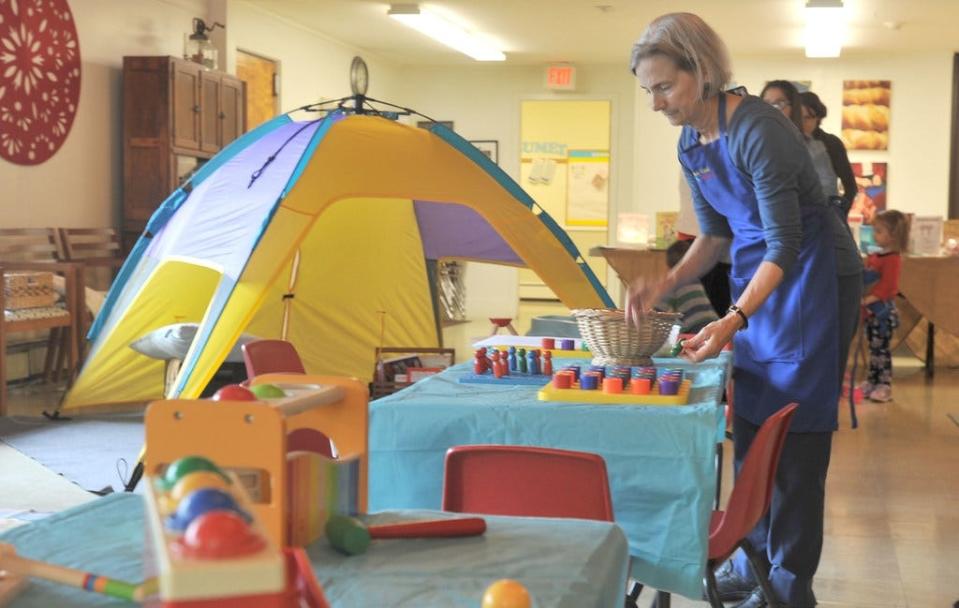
column 755, row 600
column 731, row 586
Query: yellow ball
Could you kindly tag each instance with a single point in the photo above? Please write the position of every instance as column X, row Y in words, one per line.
column 507, row 593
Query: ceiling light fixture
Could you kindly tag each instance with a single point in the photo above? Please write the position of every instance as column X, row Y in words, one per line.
column 448, row 33
column 825, row 28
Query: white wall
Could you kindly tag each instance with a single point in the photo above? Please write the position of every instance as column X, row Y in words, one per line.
column 918, row 154
column 81, row 185
column 484, row 103
column 313, row 66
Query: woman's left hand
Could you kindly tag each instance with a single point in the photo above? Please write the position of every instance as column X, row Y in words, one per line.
column 710, row 340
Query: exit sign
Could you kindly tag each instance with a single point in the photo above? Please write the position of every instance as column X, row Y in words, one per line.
column 561, row 77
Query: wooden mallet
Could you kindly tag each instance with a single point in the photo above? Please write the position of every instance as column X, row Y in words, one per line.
column 350, row 536
column 12, row 564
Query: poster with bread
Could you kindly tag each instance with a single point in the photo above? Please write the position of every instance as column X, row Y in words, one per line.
column 865, row 114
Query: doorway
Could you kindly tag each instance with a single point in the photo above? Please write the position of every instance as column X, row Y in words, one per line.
column 262, row 78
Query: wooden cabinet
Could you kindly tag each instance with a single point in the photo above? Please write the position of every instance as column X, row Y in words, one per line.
column 176, row 116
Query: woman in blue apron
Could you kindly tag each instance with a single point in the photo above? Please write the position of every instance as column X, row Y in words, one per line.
column 756, row 192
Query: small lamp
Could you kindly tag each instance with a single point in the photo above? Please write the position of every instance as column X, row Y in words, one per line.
column 197, row 46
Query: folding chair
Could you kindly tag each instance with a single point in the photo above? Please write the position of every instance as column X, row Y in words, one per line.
column 747, row 504
column 526, row 481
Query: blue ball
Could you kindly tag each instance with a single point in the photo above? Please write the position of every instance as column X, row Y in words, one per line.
column 202, row 501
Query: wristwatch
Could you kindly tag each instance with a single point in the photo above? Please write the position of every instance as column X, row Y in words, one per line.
column 742, row 315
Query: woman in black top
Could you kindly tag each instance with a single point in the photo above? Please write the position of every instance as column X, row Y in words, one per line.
column 835, row 148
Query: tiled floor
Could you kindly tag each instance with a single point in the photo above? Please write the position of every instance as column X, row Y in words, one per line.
column 892, row 528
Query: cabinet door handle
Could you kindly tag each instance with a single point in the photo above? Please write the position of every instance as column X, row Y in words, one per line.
column 222, row 115
column 196, row 108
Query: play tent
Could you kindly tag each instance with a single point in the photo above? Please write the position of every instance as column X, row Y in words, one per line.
column 321, row 232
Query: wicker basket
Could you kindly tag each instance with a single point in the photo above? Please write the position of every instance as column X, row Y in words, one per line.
column 28, row 290
column 613, row 343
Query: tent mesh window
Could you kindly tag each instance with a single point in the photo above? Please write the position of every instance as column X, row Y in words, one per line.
column 452, row 291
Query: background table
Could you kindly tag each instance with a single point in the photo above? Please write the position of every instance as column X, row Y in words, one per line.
column 566, row 563
column 930, row 285
column 661, row 460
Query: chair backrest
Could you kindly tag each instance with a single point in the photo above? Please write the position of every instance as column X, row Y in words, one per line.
column 99, row 250
column 271, row 357
column 753, row 490
column 28, row 244
column 526, row 481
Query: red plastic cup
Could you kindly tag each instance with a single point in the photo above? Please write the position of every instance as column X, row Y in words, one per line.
column 549, row 343
column 640, row 386
column 612, row 386
column 563, row 379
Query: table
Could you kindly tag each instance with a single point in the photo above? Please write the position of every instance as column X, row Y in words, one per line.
column 661, row 460
column 567, row 563
column 929, row 283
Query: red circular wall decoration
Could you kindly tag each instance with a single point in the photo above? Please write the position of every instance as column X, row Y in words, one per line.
column 39, row 78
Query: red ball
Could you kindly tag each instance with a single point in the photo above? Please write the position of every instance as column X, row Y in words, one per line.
column 218, row 535
column 234, row 392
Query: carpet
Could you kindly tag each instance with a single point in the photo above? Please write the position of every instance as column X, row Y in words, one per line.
column 95, row 452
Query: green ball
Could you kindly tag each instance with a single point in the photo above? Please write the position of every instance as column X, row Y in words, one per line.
column 268, row 391
column 186, row 465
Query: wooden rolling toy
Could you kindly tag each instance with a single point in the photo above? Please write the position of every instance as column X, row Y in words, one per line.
column 292, row 492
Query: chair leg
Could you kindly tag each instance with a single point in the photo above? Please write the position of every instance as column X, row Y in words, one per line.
column 53, row 348
column 62, row 351
column 709, row 587
column 3, row 362
column 760, row 574
column 662, row 600
column 633, row 589
column 719, row 475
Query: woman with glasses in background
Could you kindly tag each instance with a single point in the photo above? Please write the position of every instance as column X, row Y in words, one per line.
column 783, row 95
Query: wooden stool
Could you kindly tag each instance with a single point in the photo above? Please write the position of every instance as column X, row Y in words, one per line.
column 499, row 323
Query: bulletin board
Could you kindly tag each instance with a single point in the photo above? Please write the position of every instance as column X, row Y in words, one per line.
column 565, row 166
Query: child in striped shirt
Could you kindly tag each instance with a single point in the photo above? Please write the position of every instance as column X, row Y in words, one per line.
column 689, row 299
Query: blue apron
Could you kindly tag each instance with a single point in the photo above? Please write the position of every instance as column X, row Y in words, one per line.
column 790, row 350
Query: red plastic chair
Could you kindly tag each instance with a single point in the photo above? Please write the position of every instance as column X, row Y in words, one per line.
column 271, row 357
column 747, row 504
column 526, row 481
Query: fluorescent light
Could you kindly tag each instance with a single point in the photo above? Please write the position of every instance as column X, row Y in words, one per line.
column 825, row 28
column 448, row 33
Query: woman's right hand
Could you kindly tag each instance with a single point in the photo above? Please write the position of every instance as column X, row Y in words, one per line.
column 641, row 295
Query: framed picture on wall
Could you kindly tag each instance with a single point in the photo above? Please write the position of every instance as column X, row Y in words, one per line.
column 488, row 147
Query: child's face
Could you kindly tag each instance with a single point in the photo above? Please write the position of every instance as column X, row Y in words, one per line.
column 881, row 234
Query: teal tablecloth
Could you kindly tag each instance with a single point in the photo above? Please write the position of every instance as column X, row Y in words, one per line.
column 661, row 460
column 568, row 563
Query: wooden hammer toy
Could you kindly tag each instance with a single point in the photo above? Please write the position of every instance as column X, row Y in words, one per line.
column 350, row 536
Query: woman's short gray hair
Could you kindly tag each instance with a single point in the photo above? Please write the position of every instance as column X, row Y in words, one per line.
column 691, row 44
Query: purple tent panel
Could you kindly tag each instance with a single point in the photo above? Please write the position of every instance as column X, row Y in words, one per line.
column 456, row 231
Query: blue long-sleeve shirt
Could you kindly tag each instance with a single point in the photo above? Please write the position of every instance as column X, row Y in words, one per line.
column 772, row 154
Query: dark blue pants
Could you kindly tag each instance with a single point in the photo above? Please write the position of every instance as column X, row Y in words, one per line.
column 790, row 536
